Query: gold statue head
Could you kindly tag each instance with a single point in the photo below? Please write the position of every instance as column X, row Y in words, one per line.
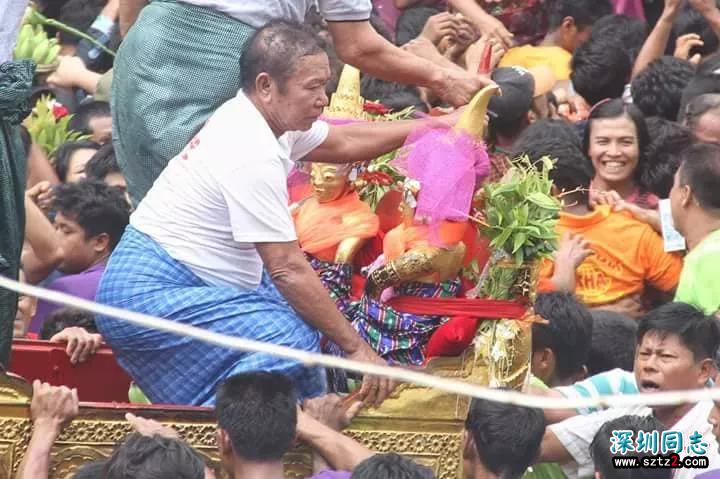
column 329, row 181
column 346, row 102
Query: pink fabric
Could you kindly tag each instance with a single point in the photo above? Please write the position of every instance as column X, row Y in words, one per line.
column 631, row 8
column 448, row 165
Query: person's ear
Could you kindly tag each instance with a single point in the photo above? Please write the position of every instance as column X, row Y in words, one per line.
column 707, row 371
column 223, row 443
column 687, row 196
column 101, row 243
column 263, row 86
column 468, row 443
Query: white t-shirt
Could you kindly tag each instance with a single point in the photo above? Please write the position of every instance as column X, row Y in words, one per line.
column 224, row 192
column 576, row 435
column 257, row 13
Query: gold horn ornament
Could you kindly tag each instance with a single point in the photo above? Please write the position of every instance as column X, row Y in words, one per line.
column 346, row 102
column 472, row 120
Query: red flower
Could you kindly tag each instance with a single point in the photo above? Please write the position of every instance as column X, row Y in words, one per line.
column 377, row 177
column 375, row 108
column 59, row 111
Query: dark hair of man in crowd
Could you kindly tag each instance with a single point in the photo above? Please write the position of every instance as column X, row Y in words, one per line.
column 699, row 106
column 657, row 90
column 700, row 169
column 393, row 95
column 86, row 112
column 584, row 12
column 411, row 23
column 615, row 109
column 631, row 32
column 79, row 14
column 507, row 437
column 275, row 49
column 698, row 332
column 258, row 412
column 601, row 444
column 91, row 470
column 154, row 457
column 699, row 85
column 67, row 318
column 613, row 342
column 390, row 466
column 691, row 21
column 558, row 141
column 65, row 152
column 668, row 140
column 95, row 206
column 102, row 163
column 568, row 333
column 600, row 69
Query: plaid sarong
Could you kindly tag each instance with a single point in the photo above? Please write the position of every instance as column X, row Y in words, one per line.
column 397, row 336
column 176, row 66
column 337, row 279
column 171, row 369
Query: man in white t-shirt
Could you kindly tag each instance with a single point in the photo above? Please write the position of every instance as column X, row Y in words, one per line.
column 213, row 243
column 676, row 347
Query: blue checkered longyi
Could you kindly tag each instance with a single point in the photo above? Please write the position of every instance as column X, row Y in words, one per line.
column 171, row 369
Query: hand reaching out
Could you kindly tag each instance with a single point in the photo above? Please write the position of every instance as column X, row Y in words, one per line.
column 332, row 410
column 150, row 427
column 80, row 343
column 684, row 44
column 52, row 405
column 41, row 194
column 439, row 26
column 374, row 390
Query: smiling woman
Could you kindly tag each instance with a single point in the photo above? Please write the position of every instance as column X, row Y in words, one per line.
column 616, row 138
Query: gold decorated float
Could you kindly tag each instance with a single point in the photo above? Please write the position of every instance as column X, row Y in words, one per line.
column 517, row 216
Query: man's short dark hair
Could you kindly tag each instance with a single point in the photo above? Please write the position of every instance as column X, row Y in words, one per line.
column 668, row 140
column 699, row 106
column 65, row 152
column 698, row 332
column 700, row 85
column 700, row 169
column 507, row 437
column 600, row 69
column 95, row 206
column 631, row 32
column 390, row 466
column 584, row 12
column 601, row 444
column 154, row 457
column 613, row 342
column 275, row 49
column 393, row 95
column 258, row 412
column 86, row 112
column 67, row 318
column 568, row 333
column 657, row 90
column 102, row 163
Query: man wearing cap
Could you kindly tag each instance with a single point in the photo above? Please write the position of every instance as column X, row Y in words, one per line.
column 522, row 101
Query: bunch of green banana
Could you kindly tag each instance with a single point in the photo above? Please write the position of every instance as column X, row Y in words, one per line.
column 34, row 43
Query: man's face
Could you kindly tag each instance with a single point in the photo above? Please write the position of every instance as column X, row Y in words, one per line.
column 300, row 103
column 664, row 363
column 79, row 252
column 76, row 164
column 101, row 128
column 707, row 129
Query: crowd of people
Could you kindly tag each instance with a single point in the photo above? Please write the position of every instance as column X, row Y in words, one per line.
column 174, row 202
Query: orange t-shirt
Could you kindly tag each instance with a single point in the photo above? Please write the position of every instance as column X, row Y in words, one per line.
column 628, row 253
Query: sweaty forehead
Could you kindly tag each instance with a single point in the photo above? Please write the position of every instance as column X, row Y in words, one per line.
column 312, row 67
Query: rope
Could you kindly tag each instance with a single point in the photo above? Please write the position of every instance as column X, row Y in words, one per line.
column 395, row 373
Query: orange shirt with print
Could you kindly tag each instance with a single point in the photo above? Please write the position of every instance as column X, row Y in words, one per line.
column 627, row 255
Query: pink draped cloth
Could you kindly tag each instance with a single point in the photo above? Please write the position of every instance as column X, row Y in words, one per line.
column 631, row 8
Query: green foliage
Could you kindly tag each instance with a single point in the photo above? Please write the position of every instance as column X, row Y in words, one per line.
column 521, row 212
column 48, row 132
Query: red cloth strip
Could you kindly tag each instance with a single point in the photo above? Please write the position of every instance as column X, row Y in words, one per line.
column 476, row 308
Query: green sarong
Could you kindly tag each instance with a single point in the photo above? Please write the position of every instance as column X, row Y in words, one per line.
column 15, row 86
column 176, row 66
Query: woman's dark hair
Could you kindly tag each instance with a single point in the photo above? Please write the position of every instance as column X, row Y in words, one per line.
column 615, row 109
column 64, row 153
column 668, row 140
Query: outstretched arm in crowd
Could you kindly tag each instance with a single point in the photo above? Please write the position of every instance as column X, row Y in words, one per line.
column 45, row 253
column 364, row 141
column 358, row 44
column 51, row 409
column 319, row 424
column 128, row 13
column 654, row 46
column 710, row 11
column 486, row 24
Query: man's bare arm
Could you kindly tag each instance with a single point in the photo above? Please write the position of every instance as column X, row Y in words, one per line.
column 361, row 46
column 301, row 287
column 552, row 450
column 128, row 13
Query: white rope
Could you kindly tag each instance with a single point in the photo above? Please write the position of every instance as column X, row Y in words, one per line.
column 396, row 373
